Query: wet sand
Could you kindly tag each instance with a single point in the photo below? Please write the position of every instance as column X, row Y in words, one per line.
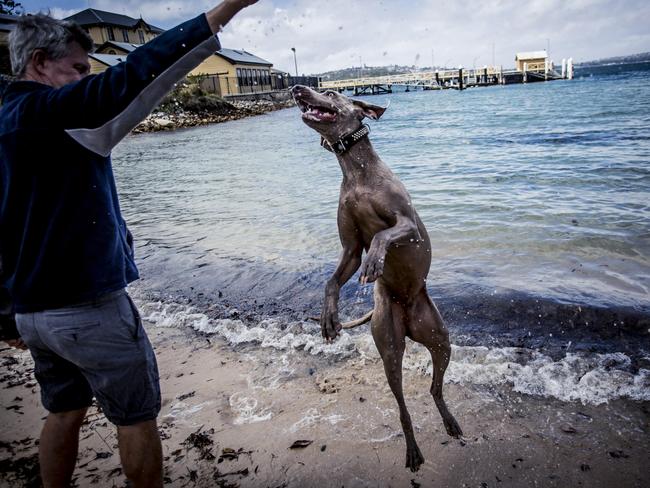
column 231, row 415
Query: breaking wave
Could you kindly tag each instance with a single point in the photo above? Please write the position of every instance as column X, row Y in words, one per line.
column 592, row 378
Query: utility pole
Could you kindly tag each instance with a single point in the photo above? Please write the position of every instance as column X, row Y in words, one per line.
column 295, row 61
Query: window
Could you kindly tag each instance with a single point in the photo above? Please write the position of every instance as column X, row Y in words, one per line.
column 111, row 34
column 141, row 36
column 125, row 35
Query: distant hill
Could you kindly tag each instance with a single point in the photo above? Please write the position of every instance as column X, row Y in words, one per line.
column 632, row 58
column 358, row 72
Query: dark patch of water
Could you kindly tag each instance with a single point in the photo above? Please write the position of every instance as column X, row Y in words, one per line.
column 251, row 291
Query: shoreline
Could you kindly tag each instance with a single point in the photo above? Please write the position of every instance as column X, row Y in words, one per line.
column 231, row 414
column 477, row 317
column 159, row 121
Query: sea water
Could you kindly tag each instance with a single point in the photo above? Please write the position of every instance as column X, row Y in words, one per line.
column 535, row 196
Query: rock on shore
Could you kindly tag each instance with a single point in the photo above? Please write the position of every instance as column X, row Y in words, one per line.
column 161, row 121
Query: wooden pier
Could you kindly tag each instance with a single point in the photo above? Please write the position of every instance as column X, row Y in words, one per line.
column 458, row 79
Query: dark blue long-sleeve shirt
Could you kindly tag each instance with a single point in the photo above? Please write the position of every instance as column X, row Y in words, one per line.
column 62, row 237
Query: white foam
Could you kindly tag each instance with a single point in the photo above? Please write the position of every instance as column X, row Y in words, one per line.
column 181, row 410
column 586, row 377
column 246, row 408
column 310, row 418
column 589, row 378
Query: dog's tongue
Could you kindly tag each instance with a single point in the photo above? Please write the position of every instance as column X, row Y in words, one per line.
column 322, row 115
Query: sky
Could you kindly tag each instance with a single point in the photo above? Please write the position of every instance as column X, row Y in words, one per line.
column 335, row 34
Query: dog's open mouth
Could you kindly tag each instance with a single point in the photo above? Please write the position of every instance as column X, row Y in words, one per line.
column 315, row 113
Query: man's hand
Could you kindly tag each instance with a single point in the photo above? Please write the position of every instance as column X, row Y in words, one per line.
column 242, row 3
column 219, row 16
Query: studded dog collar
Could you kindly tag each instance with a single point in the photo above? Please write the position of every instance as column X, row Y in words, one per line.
column 347, row 141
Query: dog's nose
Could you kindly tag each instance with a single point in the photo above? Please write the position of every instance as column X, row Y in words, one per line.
column 296, row 89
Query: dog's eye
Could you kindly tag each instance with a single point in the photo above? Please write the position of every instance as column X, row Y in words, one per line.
column 330, row 94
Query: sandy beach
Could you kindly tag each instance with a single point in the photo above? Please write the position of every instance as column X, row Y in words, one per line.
column 231, row 415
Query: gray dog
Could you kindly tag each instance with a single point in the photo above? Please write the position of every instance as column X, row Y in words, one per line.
column 375, row 214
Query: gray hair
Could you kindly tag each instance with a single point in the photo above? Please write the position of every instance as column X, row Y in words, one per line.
column 41, row 31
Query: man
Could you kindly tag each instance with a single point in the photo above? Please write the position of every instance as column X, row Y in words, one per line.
column 8, row 331
column 66, row 253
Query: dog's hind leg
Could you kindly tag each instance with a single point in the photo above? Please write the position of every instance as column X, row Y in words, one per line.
column 388, row 332
column 427, row 328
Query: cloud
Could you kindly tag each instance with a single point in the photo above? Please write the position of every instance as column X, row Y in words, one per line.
column 61, row 13
column 337, row 33
column 343, row 33
column 166, row 12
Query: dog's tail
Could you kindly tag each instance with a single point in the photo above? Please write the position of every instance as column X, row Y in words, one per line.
column 356, row 323
column 352, row 323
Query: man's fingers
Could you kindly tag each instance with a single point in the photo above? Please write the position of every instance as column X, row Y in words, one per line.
column 243, row 3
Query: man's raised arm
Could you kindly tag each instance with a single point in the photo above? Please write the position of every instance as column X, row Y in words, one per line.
column 224, row 12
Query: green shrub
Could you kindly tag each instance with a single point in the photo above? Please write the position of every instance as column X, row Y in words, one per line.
column 192, row 98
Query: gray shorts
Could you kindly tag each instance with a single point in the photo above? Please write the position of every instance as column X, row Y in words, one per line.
column 99, row 349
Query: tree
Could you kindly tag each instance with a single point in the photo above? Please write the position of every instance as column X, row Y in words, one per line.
column 10, row 7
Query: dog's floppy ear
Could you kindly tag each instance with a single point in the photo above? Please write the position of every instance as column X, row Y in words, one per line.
column 369, row 110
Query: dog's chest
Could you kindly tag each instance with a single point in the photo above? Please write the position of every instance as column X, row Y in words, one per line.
column 360, row 207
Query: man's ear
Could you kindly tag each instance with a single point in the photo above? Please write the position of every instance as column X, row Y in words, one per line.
column 369, row 110
column 38, row 59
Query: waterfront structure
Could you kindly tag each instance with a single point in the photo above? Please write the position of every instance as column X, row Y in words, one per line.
column 7, row 24
column 109, row 54
column 114, row 47
column 99, row 62
column 108, row 26
column 227, row 72
column 235, row 72
column 535, row 61
column 531, row 67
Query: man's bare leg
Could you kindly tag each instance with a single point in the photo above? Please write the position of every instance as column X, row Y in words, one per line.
column 141, row 453
column 58, row 447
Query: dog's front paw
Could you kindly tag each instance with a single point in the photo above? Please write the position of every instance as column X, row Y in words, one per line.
column 372, row 268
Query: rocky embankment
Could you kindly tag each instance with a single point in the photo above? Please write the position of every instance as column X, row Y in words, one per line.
column 232, row 110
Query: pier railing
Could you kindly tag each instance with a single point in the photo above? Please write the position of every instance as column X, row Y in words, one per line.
column 449, row 78
column 422, row 78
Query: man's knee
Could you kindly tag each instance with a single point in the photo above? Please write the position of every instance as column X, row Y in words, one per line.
column 71, row 419
column 144, row 428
